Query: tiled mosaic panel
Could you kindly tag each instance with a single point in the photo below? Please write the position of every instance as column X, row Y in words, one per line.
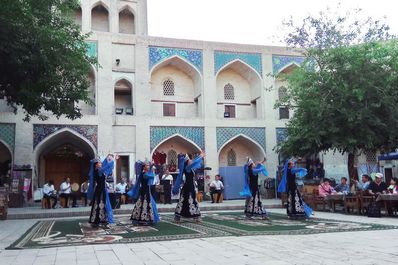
column 41, row 131
column 160, row 133
column 7, row 134
column 158, row 54
column 223, row 58
column 279, row 62
column 92, row 49
column 281, row 135
column 224, row 134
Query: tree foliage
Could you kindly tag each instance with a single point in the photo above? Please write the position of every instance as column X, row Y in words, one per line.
column 345, row 96
column 43, row 60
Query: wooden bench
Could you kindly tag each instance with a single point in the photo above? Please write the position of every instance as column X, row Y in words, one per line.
column 199, row 196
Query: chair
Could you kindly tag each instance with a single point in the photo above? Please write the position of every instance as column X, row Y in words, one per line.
column 62, row 202
column 318, row 200
column 220, row 199
column 352, row 203
column 45, row 204
column 365, row 201
column 123, row 199
column 199, row 196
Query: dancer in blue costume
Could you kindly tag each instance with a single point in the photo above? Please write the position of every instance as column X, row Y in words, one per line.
column 101, row 210
column 187, row 206
column 296, row 207
column 145, row 211
column 253, row 205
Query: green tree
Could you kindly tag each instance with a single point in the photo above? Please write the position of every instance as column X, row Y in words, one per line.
column 345, row 96
column 43, row 60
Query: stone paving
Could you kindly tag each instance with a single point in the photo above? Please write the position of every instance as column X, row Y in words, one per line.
column 364, row 247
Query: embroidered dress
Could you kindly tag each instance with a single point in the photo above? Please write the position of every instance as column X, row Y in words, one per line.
column 254, row 206
column 99, row 210
column 296, row 207
column 187, row 206
column 145, row 211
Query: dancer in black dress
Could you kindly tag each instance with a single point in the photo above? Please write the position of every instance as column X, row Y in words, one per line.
column 187, row 206
column 296, row 207
column 253, row 205
column 101, row 210
column 145, row 211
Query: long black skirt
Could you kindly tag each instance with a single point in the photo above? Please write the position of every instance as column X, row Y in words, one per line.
column 295, row 205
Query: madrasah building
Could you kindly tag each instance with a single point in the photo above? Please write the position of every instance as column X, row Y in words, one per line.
column 158, row 97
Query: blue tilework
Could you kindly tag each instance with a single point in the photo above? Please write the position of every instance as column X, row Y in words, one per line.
column 195, row 134
column 281, row 135
column 222, row 58
column 7, row 134
column 280, row 61
column 42, row 131
column 92, row 49
column 158, row 54
column 224, row 134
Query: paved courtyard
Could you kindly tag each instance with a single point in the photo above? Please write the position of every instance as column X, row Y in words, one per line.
column 363, row 247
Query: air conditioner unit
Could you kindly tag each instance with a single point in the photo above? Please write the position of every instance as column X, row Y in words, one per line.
column 226, row 114
column 129, row 111
column 119, row 111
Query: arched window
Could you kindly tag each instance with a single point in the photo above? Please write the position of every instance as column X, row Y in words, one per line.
column 168, row 88
column 172, row 157
column 282, row 92
column 126, row 22
column 229, row 93
column 100, row 18
column 231, row 158
column 123, row 97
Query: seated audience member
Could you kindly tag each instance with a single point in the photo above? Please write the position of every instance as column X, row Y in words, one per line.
column 65, row 191
column 167, row 182
column 216, row 187
column 393, row 186
column 121, row 189
column 343, row 186
column 364, row 185
column 83, row 191
column 325, row 189
column 50, row 193
column 378, row 186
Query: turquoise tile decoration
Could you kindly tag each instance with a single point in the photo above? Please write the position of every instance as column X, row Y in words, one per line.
column 159, row 54
column 7, row 134
column 160, row 133
column 225, row 134
column 281, row 135
column 222, row 58
column 42, row 131
column 281, row 61
column 92, row 50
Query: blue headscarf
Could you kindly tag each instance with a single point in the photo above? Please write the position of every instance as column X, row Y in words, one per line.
column 107, row 167
column 282, row 184
column 246, row 188
column 133, row 193
column 195, row 164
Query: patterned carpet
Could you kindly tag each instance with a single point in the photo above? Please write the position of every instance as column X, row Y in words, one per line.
column 56, row 233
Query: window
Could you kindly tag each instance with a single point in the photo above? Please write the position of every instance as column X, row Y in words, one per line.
column 229, row 111
column 282, row 93
column 172, row 157
column 229, row 92
column 283, row 113
column 168, row 88
column 371, row 157
column 169, row 110
column 231, row 158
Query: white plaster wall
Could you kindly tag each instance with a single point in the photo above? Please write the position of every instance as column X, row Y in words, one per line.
column 123, row 139
column 125, row 53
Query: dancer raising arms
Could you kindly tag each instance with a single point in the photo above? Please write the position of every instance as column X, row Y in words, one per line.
column 145, row 211
column 296, row 207
column 187, row 206
column 253, row 205
column 101, row 210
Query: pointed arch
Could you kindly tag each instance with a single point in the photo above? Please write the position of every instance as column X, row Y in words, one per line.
column 238, row 64
column 8, row 148
column 123, row 96
column 287, row 68
column 127, row 21
column 245, row 137
column 100, row 17
column 180, row 137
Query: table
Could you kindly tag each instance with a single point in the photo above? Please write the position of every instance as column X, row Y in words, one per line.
column 334, row 199
column 387, row 198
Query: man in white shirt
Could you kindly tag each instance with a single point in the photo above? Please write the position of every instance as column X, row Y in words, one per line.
column 50, row 193
column 65, row 191
column 167, row 182
column 216, row 187
column 121, row 190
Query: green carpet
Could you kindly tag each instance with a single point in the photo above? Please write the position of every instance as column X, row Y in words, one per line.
column 56, row 233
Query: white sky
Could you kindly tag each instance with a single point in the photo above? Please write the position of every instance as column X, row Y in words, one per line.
column 247, row 21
